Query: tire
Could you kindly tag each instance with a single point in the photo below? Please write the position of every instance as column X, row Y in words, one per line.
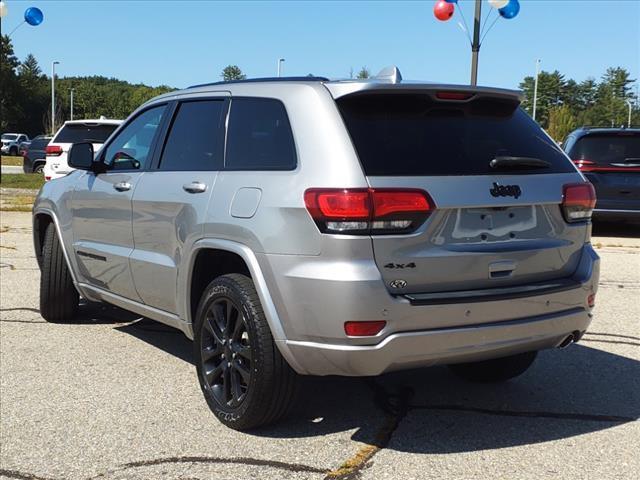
column 58, row 296
column 256, row 386
column 39, row 168
column 13, row 151
column 495, row 370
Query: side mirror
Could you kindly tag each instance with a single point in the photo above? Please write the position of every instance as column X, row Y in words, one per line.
column 81, row 156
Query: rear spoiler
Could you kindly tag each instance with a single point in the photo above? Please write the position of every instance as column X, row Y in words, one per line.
column 348, row 88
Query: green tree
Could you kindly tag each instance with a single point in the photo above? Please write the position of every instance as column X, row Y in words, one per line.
column 363, row 73
column 11, row 112
column 561, row 122
column 232, row 72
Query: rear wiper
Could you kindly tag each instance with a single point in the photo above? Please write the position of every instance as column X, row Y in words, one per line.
column 518, row 162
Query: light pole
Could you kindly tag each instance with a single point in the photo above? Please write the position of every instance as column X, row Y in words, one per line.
column 53, row 96
column 475, row 46
column 535, row 89
column 630, row 106
column 71, row 90
column 280, row 62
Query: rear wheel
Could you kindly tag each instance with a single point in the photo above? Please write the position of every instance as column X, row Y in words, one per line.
column 245, row 380
column 39, row 168
column 495, row 370
column 13, row 151
column 58, row 296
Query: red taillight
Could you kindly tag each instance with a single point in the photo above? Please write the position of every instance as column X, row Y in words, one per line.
column 453, row 95
column 578, row 201
column 591, row 300
column 364, row 329
column 53, row 150
column 367, row 210
column 583, row 164
column 46, row 178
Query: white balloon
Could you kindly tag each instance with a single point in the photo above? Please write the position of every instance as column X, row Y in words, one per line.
column 498, row 3
column 3, row 9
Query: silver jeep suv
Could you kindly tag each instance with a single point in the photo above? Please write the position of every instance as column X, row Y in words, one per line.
column 301, row 226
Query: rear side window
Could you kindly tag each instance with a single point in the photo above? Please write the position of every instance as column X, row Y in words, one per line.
column 607, row 148
column 195, row 140
column 410, row 134
column 259, row 136
column 84, row 132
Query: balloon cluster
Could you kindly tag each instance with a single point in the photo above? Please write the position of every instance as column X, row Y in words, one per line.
column 443, row 9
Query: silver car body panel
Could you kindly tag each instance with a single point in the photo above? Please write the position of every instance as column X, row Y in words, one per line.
column 310, row 283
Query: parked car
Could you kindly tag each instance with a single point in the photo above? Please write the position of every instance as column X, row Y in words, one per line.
column 74, row 131
column 610, row 159
column 11, row 142
column 33, row 154
column 301, row 226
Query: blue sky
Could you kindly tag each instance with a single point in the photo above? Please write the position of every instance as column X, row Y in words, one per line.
column 180, row 43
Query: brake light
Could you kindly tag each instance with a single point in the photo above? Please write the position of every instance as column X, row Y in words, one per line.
column 365, row 211
column 453, row 95
column 53, row 150
column 578, row 202
column 583, row 164
column 364, row 329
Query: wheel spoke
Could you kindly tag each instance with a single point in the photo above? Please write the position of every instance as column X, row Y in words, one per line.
column 244, row 351
column 244, row 372
column 236, row 390
column 227, row 384
column 238, row 327
column 209, row 352
column 213, row 374
column 211, row 325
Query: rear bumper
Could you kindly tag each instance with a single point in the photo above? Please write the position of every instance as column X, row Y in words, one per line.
column 313, row 300
column 447, row 345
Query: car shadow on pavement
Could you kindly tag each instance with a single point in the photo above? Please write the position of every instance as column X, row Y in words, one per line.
column 616, row 229
column 565, row 393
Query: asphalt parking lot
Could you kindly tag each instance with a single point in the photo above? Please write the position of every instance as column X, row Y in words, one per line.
column 115, row 397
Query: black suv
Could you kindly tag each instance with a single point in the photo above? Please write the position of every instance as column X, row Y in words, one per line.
column 610, row 159
column 34, row 155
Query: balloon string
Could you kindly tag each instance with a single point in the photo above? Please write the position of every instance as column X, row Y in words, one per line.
column 484, row 22
column 19, row 25
column 489, row 29
column 466, row 27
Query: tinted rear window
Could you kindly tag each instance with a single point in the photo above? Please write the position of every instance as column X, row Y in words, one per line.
column 259, row 136
column 84, row 133
column 410, row 134
column 608, row 148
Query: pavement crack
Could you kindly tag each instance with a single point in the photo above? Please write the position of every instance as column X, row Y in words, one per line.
column 613, row 335
column 256, row 462
column 18, row 475
column 617, row 342
column 395, row 407
column 541, row 414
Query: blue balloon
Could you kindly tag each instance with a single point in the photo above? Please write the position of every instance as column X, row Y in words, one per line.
column 510, row 10
column 33, row 16
column 451, row 1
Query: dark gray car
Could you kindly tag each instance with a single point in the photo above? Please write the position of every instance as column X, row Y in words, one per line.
column 304, row 226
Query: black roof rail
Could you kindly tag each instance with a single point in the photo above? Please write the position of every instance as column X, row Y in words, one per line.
column 308, row 78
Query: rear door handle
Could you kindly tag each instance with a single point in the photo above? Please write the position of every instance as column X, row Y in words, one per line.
column 122, row 186
column 194, row 187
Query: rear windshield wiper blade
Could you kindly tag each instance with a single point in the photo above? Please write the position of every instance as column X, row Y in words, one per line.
column 508, row 162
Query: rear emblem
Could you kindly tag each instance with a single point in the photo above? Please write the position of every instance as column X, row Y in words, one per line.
column 398, row 284
column 505, row 190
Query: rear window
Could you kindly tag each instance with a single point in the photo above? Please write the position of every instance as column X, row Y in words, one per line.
column 410, row 134
column 76, row 133
column 619, row 147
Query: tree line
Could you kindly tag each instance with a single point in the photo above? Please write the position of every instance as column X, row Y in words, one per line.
column 562, row 104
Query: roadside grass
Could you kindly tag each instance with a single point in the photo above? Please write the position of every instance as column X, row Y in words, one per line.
column 11, row 161
column 31, row 181
column 17, row 203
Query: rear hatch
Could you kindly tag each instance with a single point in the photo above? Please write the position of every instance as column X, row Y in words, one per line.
column 611, row 162
column 70, row 133
column 492, row 226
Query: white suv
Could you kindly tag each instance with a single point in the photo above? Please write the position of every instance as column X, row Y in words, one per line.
column 75, row 131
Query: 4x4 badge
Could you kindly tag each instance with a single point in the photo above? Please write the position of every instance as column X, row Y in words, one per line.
column 505, row 190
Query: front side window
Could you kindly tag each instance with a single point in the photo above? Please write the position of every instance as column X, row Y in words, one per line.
column 195, row 140
column 259, row 136
column 130, row 150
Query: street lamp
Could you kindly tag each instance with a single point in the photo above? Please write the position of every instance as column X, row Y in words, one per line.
column 280, row 62
column 535, row 89
column 53, row 96
column 630, row 106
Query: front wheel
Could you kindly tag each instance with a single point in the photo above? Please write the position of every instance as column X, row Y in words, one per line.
column 58, row 296
column 245, row 380
column 495, row 370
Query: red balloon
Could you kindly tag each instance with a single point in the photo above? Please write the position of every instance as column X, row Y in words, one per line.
column 443, row 10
